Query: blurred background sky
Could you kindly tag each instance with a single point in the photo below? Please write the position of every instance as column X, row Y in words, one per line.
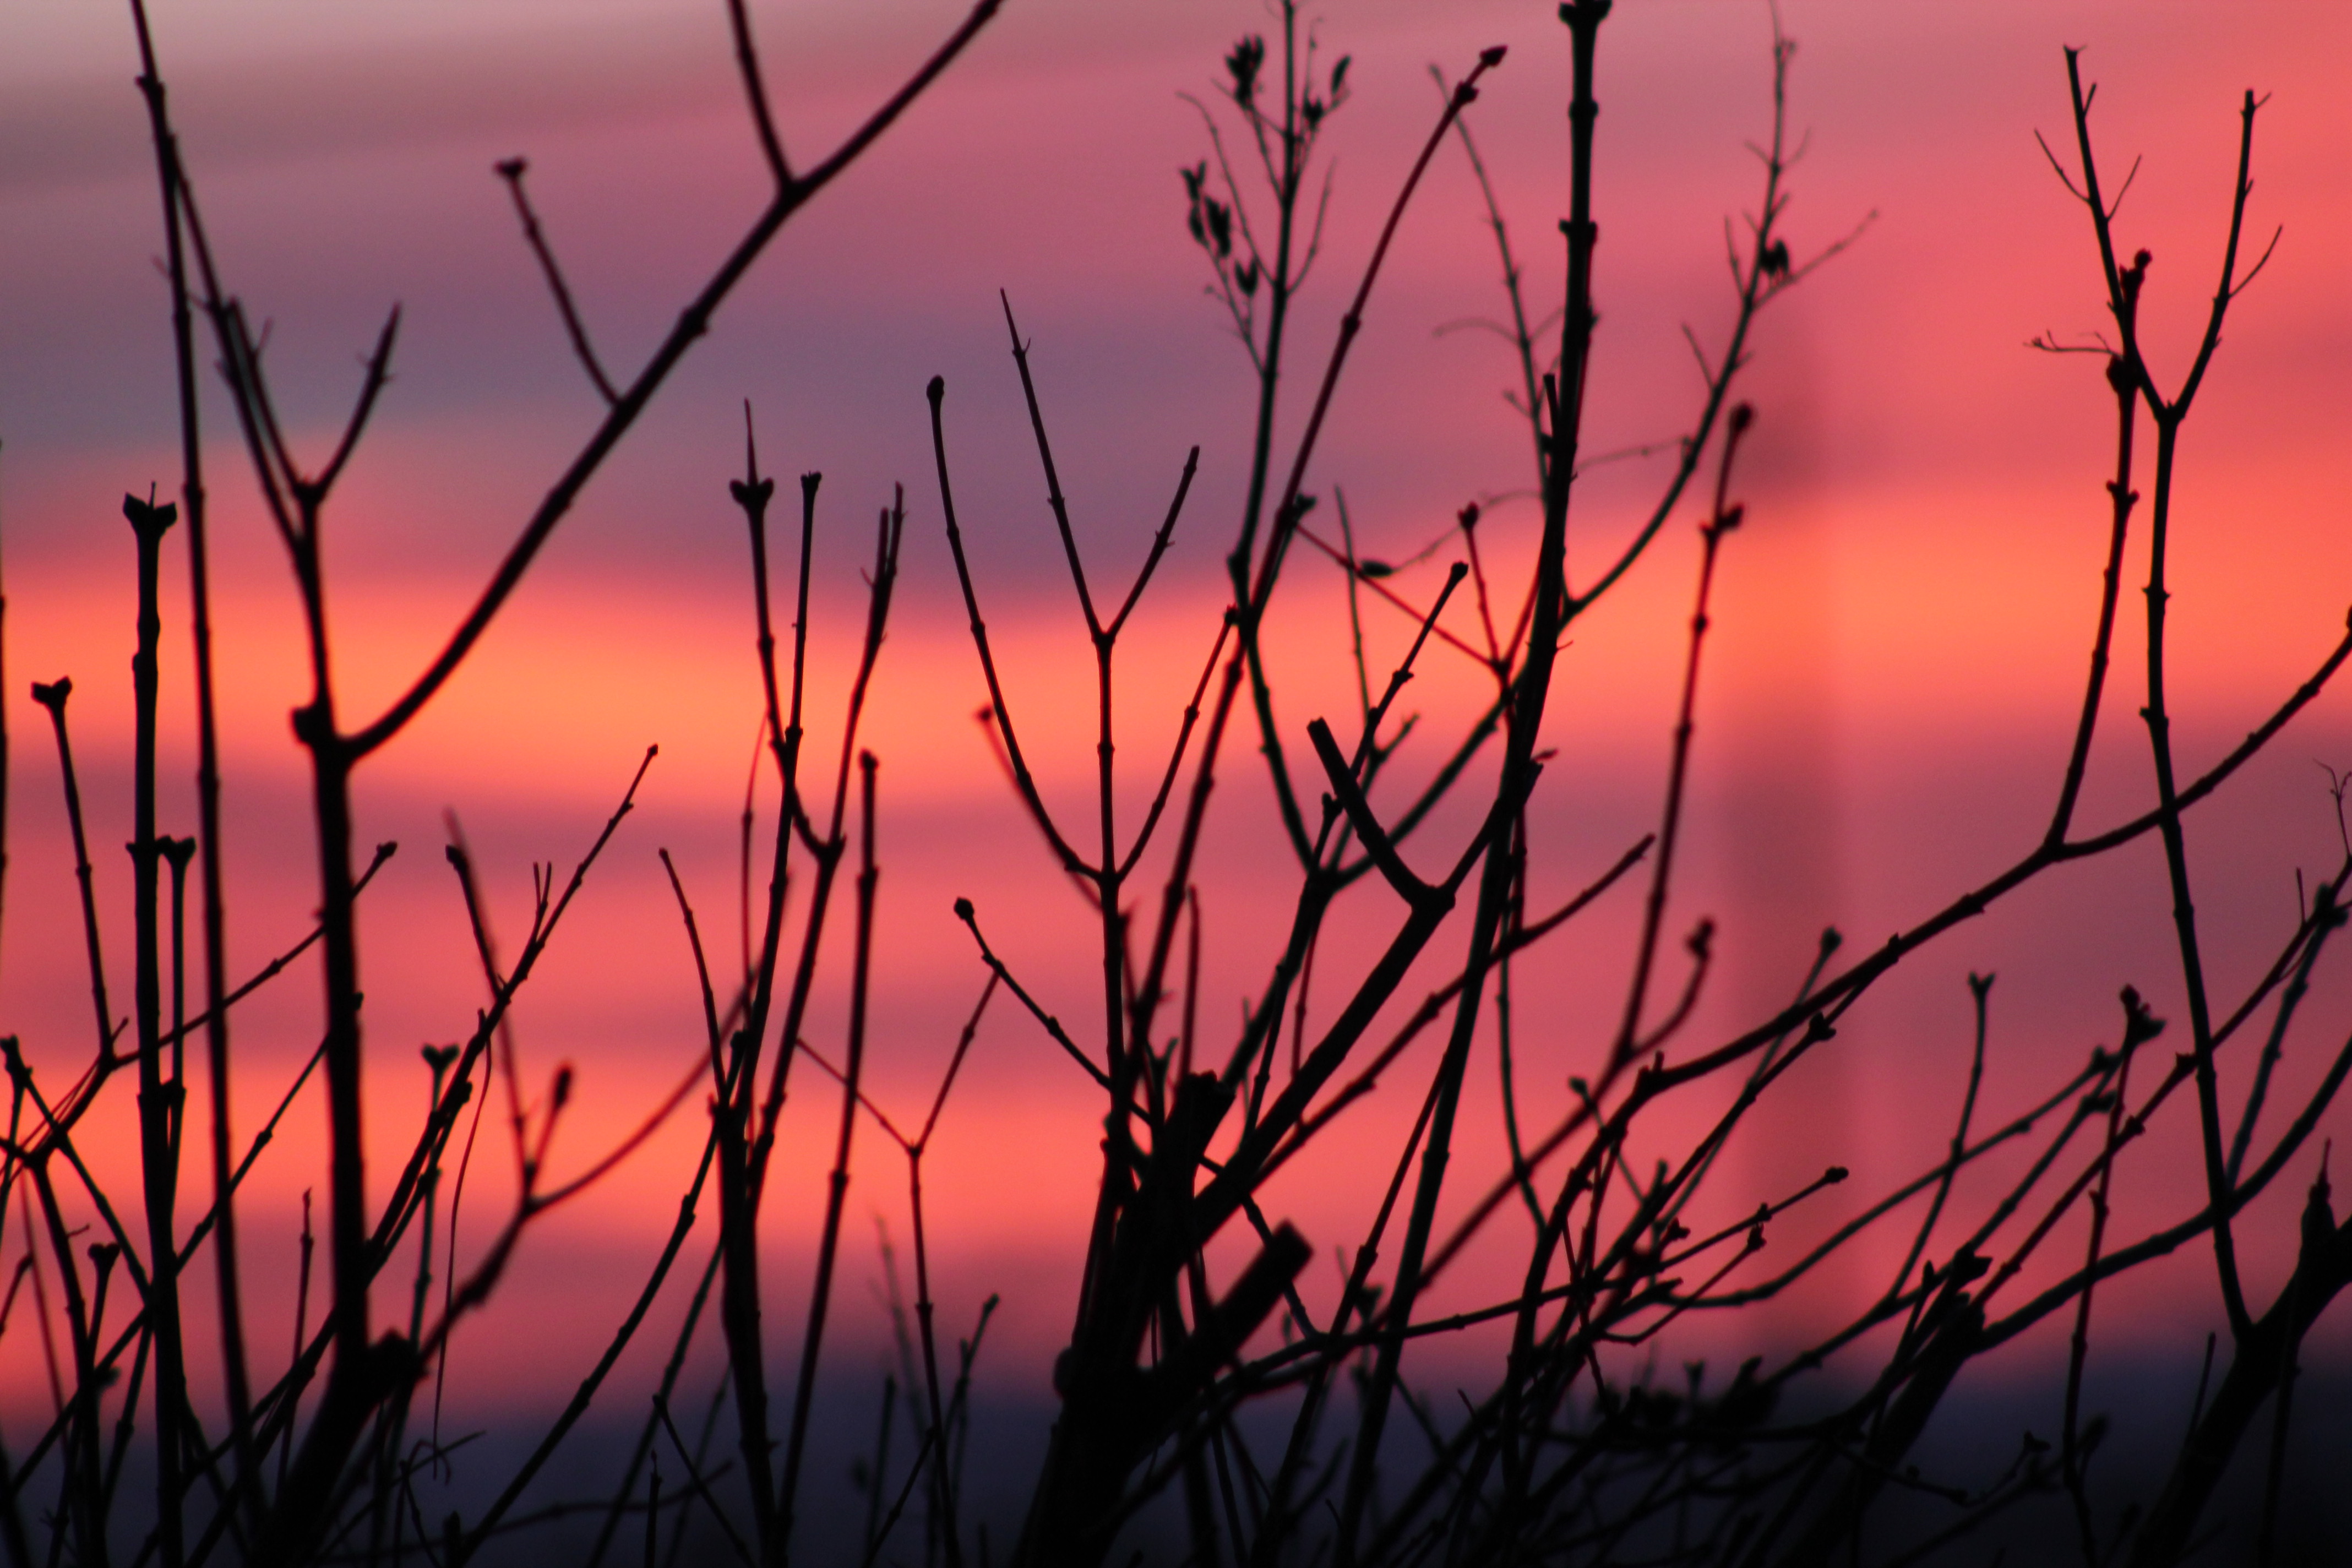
column 1900, row 629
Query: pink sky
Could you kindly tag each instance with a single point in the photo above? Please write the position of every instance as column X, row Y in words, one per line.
column 1899, row 631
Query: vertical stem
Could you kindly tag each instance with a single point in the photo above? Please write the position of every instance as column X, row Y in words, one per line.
column 85, row 1498
column 347, row 1195
column 2071, row 1457
column 1583, row 19
column 1107, row 892
column 740, row 1163
column 296, row 1371
column 155, row 1109
column 838, row 1187
column 739, row 1301
column 2220, row 1190
column 1120, row 1157
column 943, row 1497
column 177, row 853
column 2168, row 415
column 359, row 1374
column 1280, row 286
column 235, row 1377
column 2122, row 496
column 827, row 853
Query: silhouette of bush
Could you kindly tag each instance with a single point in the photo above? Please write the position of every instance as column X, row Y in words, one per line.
column 1204, row 1367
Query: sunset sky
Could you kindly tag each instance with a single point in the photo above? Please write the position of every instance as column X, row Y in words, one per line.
column 1900, row 629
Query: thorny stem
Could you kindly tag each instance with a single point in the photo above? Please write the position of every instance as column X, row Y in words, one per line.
column 2168, row 415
